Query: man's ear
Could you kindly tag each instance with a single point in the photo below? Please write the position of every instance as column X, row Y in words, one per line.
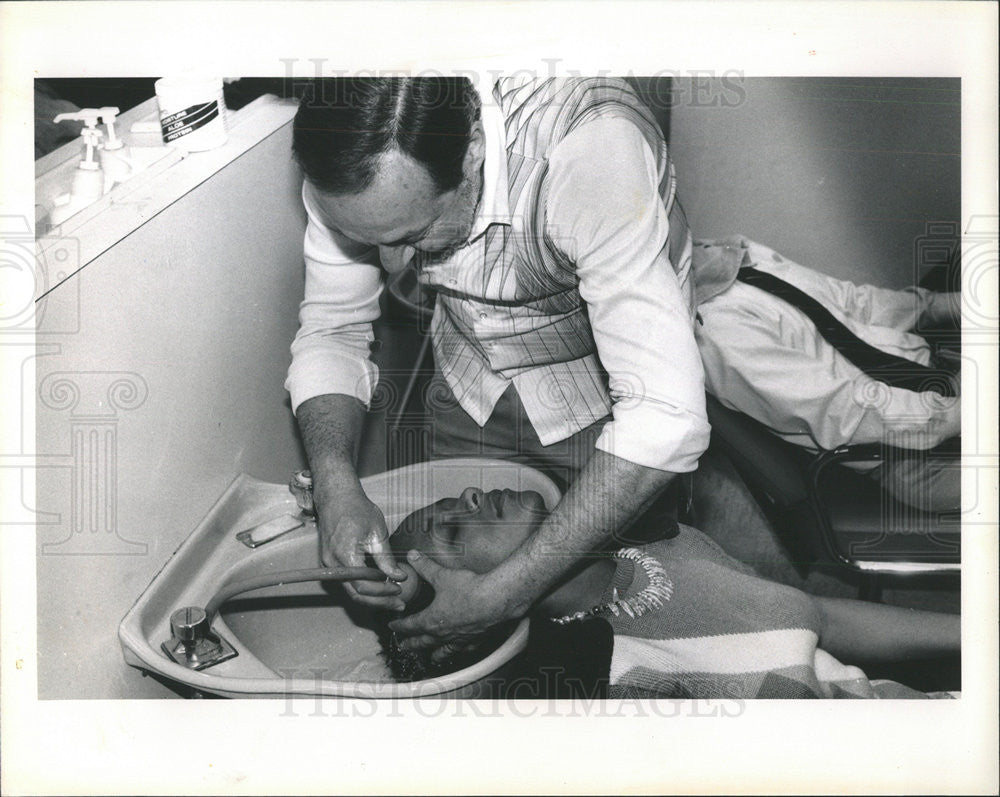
column 476, row 151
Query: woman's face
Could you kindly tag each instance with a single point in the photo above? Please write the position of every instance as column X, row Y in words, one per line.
column 475, row 531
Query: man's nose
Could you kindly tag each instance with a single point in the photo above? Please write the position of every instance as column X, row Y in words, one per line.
column 472, row 498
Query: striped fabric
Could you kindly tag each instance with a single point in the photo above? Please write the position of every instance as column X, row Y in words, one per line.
column 727, row 633
column 508, row 308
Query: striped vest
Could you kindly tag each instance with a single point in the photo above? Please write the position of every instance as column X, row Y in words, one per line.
column 539, row 336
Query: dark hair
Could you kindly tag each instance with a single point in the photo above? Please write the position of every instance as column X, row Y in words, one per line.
column 418, row 665
column 345, row 125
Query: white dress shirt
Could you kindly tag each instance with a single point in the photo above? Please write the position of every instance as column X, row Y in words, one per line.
column 765, row 358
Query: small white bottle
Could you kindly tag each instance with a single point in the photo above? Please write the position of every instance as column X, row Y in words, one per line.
column 88, row 177
column 88, row 182
column 115, row 156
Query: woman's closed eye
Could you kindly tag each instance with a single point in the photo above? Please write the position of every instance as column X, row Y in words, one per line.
column 445, row 532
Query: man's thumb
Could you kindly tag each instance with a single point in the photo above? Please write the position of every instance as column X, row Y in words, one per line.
column 426, row 567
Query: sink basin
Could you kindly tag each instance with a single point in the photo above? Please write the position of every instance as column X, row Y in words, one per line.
column 303, row 639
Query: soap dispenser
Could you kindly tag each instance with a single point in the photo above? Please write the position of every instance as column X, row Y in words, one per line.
column 88, row 180
column 115, row 156
column 108, row 116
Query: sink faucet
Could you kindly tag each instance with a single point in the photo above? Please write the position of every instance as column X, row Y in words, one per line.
column 193, row 643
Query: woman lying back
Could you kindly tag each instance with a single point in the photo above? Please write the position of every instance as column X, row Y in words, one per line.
column 686, row 620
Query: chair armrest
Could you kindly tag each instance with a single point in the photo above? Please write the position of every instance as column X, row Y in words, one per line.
column 864, row 527
column 878, row 452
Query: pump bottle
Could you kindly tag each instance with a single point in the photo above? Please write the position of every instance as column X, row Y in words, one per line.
column 88, row 179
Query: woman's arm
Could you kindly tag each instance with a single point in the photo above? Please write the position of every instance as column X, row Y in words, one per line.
column 858, row 631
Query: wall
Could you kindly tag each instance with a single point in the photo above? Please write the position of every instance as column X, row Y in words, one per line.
column 172, row 385
column 841, row 174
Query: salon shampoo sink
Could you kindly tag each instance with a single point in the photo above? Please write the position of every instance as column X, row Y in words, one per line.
column 305, row 639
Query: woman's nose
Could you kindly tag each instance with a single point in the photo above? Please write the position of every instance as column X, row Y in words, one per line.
column 472, row 498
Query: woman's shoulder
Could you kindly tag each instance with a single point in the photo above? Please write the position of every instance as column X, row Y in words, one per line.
column 712, row 595
column 690, row 543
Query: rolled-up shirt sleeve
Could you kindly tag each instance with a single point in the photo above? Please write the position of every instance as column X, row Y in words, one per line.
column 603, row 210
column 343, row 283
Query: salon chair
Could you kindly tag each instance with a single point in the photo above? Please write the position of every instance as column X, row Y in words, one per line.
column 827, row 513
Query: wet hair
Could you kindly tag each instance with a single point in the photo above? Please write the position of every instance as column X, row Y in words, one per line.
column 344, row 126
column 417, row 665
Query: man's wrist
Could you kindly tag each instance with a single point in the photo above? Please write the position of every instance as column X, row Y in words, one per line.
column 515, row 588
column 331, row 429
column 943, row 310
column 336, row 479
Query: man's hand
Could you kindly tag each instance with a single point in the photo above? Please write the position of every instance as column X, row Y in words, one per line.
column 943, row 312
column 465, row 605
column 349, row 526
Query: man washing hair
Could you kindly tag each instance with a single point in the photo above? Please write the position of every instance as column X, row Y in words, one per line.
column 543, row 214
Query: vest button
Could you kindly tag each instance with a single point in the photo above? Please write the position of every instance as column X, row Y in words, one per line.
column 483, row 316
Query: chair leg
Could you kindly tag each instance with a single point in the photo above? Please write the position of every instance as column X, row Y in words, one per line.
column 870, row 588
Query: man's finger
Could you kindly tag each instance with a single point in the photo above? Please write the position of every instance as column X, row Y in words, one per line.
column 386, row 562
column 389, row 603
column 377, row 589
column 410, row 627
column 424, row 565
column 445, row 651
column 333, row 557
column 326, row 553
column 420, row 642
